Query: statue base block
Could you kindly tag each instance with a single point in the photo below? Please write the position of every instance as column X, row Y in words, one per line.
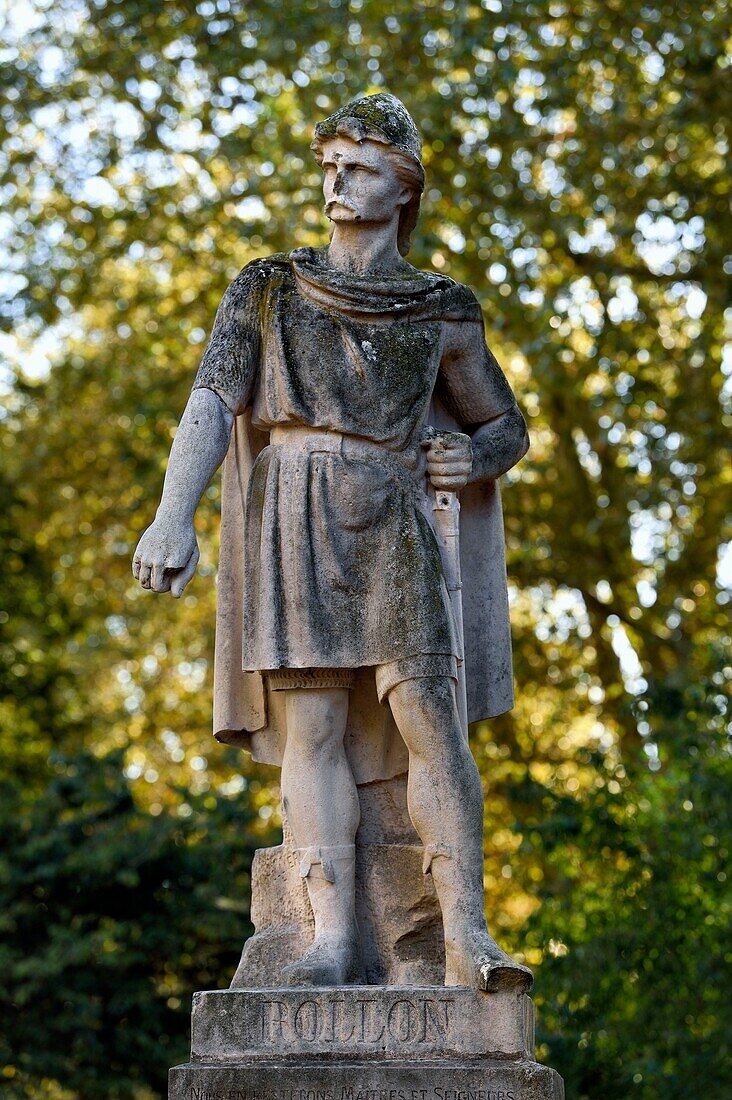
column 484, row 1079
column 362, row 1043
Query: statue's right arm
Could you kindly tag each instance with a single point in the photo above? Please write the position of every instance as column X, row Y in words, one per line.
column 167, row 554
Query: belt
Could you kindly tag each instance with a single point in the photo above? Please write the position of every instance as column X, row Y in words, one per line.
column 316, row 440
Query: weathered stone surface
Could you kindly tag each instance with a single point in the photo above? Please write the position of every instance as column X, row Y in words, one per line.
column 384, row 813
column 481, row 1079
column 399, row 921
column 362, row 1044
column 360, row 1023
column 399, row 924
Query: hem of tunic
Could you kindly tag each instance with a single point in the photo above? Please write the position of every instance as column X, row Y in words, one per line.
column 287, row 679
column 330, row 664
column 387, row 674
column 414, row 668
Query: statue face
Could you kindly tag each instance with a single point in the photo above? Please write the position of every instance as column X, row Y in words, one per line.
column 360, row 184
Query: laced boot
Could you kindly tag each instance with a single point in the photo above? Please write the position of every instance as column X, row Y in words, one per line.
column 472, row 956
column 333, row 956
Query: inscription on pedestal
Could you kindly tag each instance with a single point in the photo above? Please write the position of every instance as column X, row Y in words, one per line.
column 347, row 1093
column 357, row 1022
column 436, row 1092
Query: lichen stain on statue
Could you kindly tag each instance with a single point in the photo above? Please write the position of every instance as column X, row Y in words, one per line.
column 345, row 391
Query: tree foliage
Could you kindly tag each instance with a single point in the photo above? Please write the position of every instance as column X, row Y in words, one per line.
column 576, row 154
column 111, row 916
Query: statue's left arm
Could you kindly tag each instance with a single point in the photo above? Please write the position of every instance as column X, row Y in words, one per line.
column 476, row 392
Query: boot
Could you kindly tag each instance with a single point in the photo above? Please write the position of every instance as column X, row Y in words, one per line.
column 333, row 956
column 472, row 956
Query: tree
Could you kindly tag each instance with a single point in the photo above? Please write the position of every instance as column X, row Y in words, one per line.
column 111, row 917
column 575, row 154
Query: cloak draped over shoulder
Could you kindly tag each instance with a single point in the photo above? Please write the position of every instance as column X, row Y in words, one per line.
column 327, row 558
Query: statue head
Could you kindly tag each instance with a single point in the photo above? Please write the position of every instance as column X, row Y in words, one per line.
column 378, row 130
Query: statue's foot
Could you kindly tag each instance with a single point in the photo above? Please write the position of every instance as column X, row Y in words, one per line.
column 326, row 962
column 477, row 961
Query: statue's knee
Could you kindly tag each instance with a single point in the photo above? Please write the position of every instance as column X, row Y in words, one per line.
column 312, row 742
column 316, row 722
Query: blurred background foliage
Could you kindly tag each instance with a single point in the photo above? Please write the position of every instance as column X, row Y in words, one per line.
column 578, row 179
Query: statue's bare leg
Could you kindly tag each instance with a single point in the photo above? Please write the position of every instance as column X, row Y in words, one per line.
column 321, row 802
column 445, row 800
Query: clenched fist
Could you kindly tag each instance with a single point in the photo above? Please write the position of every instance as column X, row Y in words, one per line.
column 449, row 458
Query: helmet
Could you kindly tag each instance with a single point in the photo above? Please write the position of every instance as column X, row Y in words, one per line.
column 381, row 117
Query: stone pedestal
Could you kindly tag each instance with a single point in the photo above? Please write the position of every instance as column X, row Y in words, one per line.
column 362, row 1043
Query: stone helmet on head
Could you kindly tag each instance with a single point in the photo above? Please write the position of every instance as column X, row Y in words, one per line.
column 384, row 119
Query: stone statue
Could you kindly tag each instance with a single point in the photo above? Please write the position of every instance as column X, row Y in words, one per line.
column 352, row 396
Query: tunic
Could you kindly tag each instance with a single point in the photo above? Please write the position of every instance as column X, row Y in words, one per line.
column 341, row 568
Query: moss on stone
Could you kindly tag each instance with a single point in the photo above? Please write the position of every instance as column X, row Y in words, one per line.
column 384, row 118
